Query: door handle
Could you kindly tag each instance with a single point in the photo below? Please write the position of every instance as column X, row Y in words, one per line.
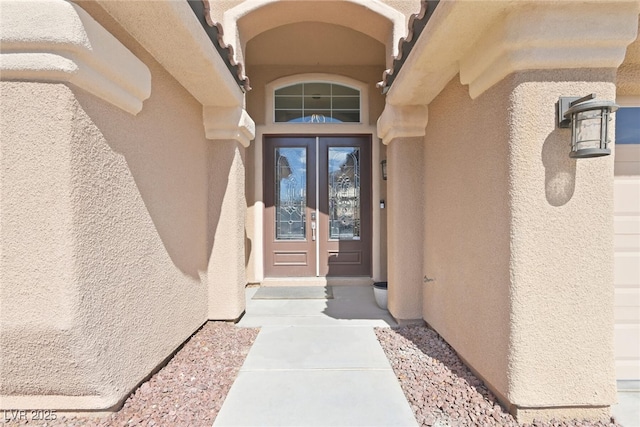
column 313, row 231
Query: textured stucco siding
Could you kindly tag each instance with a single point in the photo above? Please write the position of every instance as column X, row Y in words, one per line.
column 104, row 237
column 561, row 249
column 227, row 206
column 37, row 289
column 466, row 223
column 518, row 243
column 406, row 235
column 628, row 76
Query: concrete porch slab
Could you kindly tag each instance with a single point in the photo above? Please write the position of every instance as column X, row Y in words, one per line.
column 294, row 292
column 351, row 305
column 260, row 321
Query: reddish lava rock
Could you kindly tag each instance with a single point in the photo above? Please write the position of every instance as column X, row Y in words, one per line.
column 188, row 391
column 440, row 389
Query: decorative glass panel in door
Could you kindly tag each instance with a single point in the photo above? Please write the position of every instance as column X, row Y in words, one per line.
column 344, row 193
column 290, row 193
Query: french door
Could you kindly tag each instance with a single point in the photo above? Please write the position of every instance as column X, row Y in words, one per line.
column 317, row 193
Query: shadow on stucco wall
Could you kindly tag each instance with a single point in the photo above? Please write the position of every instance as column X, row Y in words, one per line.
column 122, row 219
column 225, row 159
column 560, row 169
column 163, row 152
column 248, row 245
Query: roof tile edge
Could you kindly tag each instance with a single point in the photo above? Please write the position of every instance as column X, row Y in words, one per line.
column 417, row 23
column 215, row 32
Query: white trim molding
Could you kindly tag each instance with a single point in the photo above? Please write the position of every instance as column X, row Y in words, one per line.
column 57, row 41
column 228, row 123
column 402, row 122
column 585, row 35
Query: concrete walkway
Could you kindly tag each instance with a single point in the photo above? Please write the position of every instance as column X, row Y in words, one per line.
column 316, row 362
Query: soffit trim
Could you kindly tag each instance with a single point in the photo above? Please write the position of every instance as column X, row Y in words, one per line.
column 171, row 32
column 592, row 35
column 228, row 123
column 57, row 41
column 490, row 40
column 408, row 121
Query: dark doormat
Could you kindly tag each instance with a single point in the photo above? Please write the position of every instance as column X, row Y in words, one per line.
column 294, row 292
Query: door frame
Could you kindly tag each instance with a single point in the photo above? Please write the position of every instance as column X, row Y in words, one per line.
column 256, row 209
column 318, row 146
column 254, row 165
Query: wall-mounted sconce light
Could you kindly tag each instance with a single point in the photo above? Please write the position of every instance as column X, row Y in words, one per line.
column 383, row 165
column 589, row 122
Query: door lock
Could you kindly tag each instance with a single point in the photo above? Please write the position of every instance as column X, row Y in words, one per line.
column 313, row 226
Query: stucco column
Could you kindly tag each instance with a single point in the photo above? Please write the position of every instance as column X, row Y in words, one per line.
column 561, row 360
column 230, row 130
column 561, row 254
column 227, row 207
column 402, row 129
column 405, row 236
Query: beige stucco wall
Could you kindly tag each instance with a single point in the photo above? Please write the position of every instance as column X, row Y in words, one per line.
column 466, row 222
column 562, row 250
column 628, row 76
column 226, row 238
column 405, row 228
column 103, row 245
column 511, row 293
column 37, row 242
column 106, row 232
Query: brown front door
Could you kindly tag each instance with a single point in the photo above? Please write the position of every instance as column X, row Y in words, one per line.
column 317, row 205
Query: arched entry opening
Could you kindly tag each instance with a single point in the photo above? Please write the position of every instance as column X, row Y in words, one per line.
column 373, row 18
column 347, row 43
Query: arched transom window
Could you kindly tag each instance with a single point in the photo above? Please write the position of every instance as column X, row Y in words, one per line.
column 317, row 102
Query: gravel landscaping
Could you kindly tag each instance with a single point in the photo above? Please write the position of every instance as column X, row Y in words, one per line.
column 189, row 390
column 441, row 390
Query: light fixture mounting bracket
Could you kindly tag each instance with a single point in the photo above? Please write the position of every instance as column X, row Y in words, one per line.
column 566, row 102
